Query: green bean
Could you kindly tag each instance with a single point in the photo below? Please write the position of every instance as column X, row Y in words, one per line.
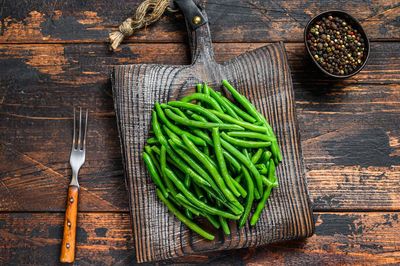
column 196, row 167
column 227, row 155
column 252, row 135
column 232, row 160
column 246, row 153
column 249, row 198
column 244, row 102
column 245, row 143
column 239, row 111
column 271, row 170
column 268, row 182
column 163, row 163
column 150, row 153
column 199, row 88
column 201, row 205
column 275, row 151
column 199, row 192
column 206, row 89
column 153, row 173
column 182, row 146
column 188, row 205
column 242, row 124
column 181, row 165
column 243, row 192
column 260, row 206
column 152, row 141
column 195, row 108
column 176, row 129
column 204, row 98
column 224, row 224
column 247, row 162
column 239, row 177
column 256, row 157
column 267, row 156
column 183, row 219
column 211, row 169
column 198, row 124
column 221, row 162
column 212, row 220
column 221, row 102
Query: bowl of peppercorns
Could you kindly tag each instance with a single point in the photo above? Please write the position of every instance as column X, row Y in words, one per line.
column 337, row 44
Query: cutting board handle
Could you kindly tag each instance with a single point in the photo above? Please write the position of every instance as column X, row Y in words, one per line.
column 198, row 32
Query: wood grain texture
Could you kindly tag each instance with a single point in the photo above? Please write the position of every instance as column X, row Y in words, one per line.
column 263, row 76
column 230, row 20
column 69, row 235
column 329, row 114
column 106, row 239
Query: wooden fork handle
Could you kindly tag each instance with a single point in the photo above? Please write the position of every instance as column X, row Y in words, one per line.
column 68, row 243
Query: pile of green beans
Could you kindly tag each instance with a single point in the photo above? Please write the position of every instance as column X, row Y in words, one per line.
column 213, row 158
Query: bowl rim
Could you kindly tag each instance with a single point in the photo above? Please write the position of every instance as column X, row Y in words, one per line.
column 357, row 23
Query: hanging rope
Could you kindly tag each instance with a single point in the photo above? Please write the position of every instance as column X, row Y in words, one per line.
column 147, row 13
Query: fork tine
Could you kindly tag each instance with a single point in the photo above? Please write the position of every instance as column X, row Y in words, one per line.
column 84, row 137
column 74, row 137
column 80, row 129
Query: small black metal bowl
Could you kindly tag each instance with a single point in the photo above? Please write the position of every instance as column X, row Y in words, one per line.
column 354, row 23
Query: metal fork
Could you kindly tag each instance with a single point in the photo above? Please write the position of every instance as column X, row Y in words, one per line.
column 76, row 160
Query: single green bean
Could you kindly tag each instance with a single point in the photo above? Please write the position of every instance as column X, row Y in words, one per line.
column 249, row 199
column 221, row 162
column 176, row 129
column 271, row 170
column 183, row 218
column 245, row 143
column 212, row 220
column 243, row 124
column 201, row 205
column 206, row 90
column 198, row 124
column 256, row 157
column 152, row 141
column 153, row 173
column 199, row 88
column 211, row 169
column 195, row 108
column 252, row 135
column 153, row 158
column 260, row 206
column 204, row 98
column 239, row 111
column 267, row 156
column 224, row 224
column 163, row 163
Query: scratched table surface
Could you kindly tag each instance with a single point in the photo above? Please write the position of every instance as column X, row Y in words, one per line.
column 53, row 54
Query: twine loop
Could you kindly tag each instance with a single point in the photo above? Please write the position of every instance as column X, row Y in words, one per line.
column 147, row 13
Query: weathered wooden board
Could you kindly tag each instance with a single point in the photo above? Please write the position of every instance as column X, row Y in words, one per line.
column 106, row 239
column 53, row 77
column 230, row 20
column 263, row 76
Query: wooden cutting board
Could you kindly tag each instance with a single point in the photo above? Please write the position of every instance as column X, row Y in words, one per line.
column 263, row 76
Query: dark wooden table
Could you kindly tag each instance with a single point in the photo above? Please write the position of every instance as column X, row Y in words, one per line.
column 53, row 55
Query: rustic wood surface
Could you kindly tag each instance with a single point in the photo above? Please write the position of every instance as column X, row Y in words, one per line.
column 49, row 58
